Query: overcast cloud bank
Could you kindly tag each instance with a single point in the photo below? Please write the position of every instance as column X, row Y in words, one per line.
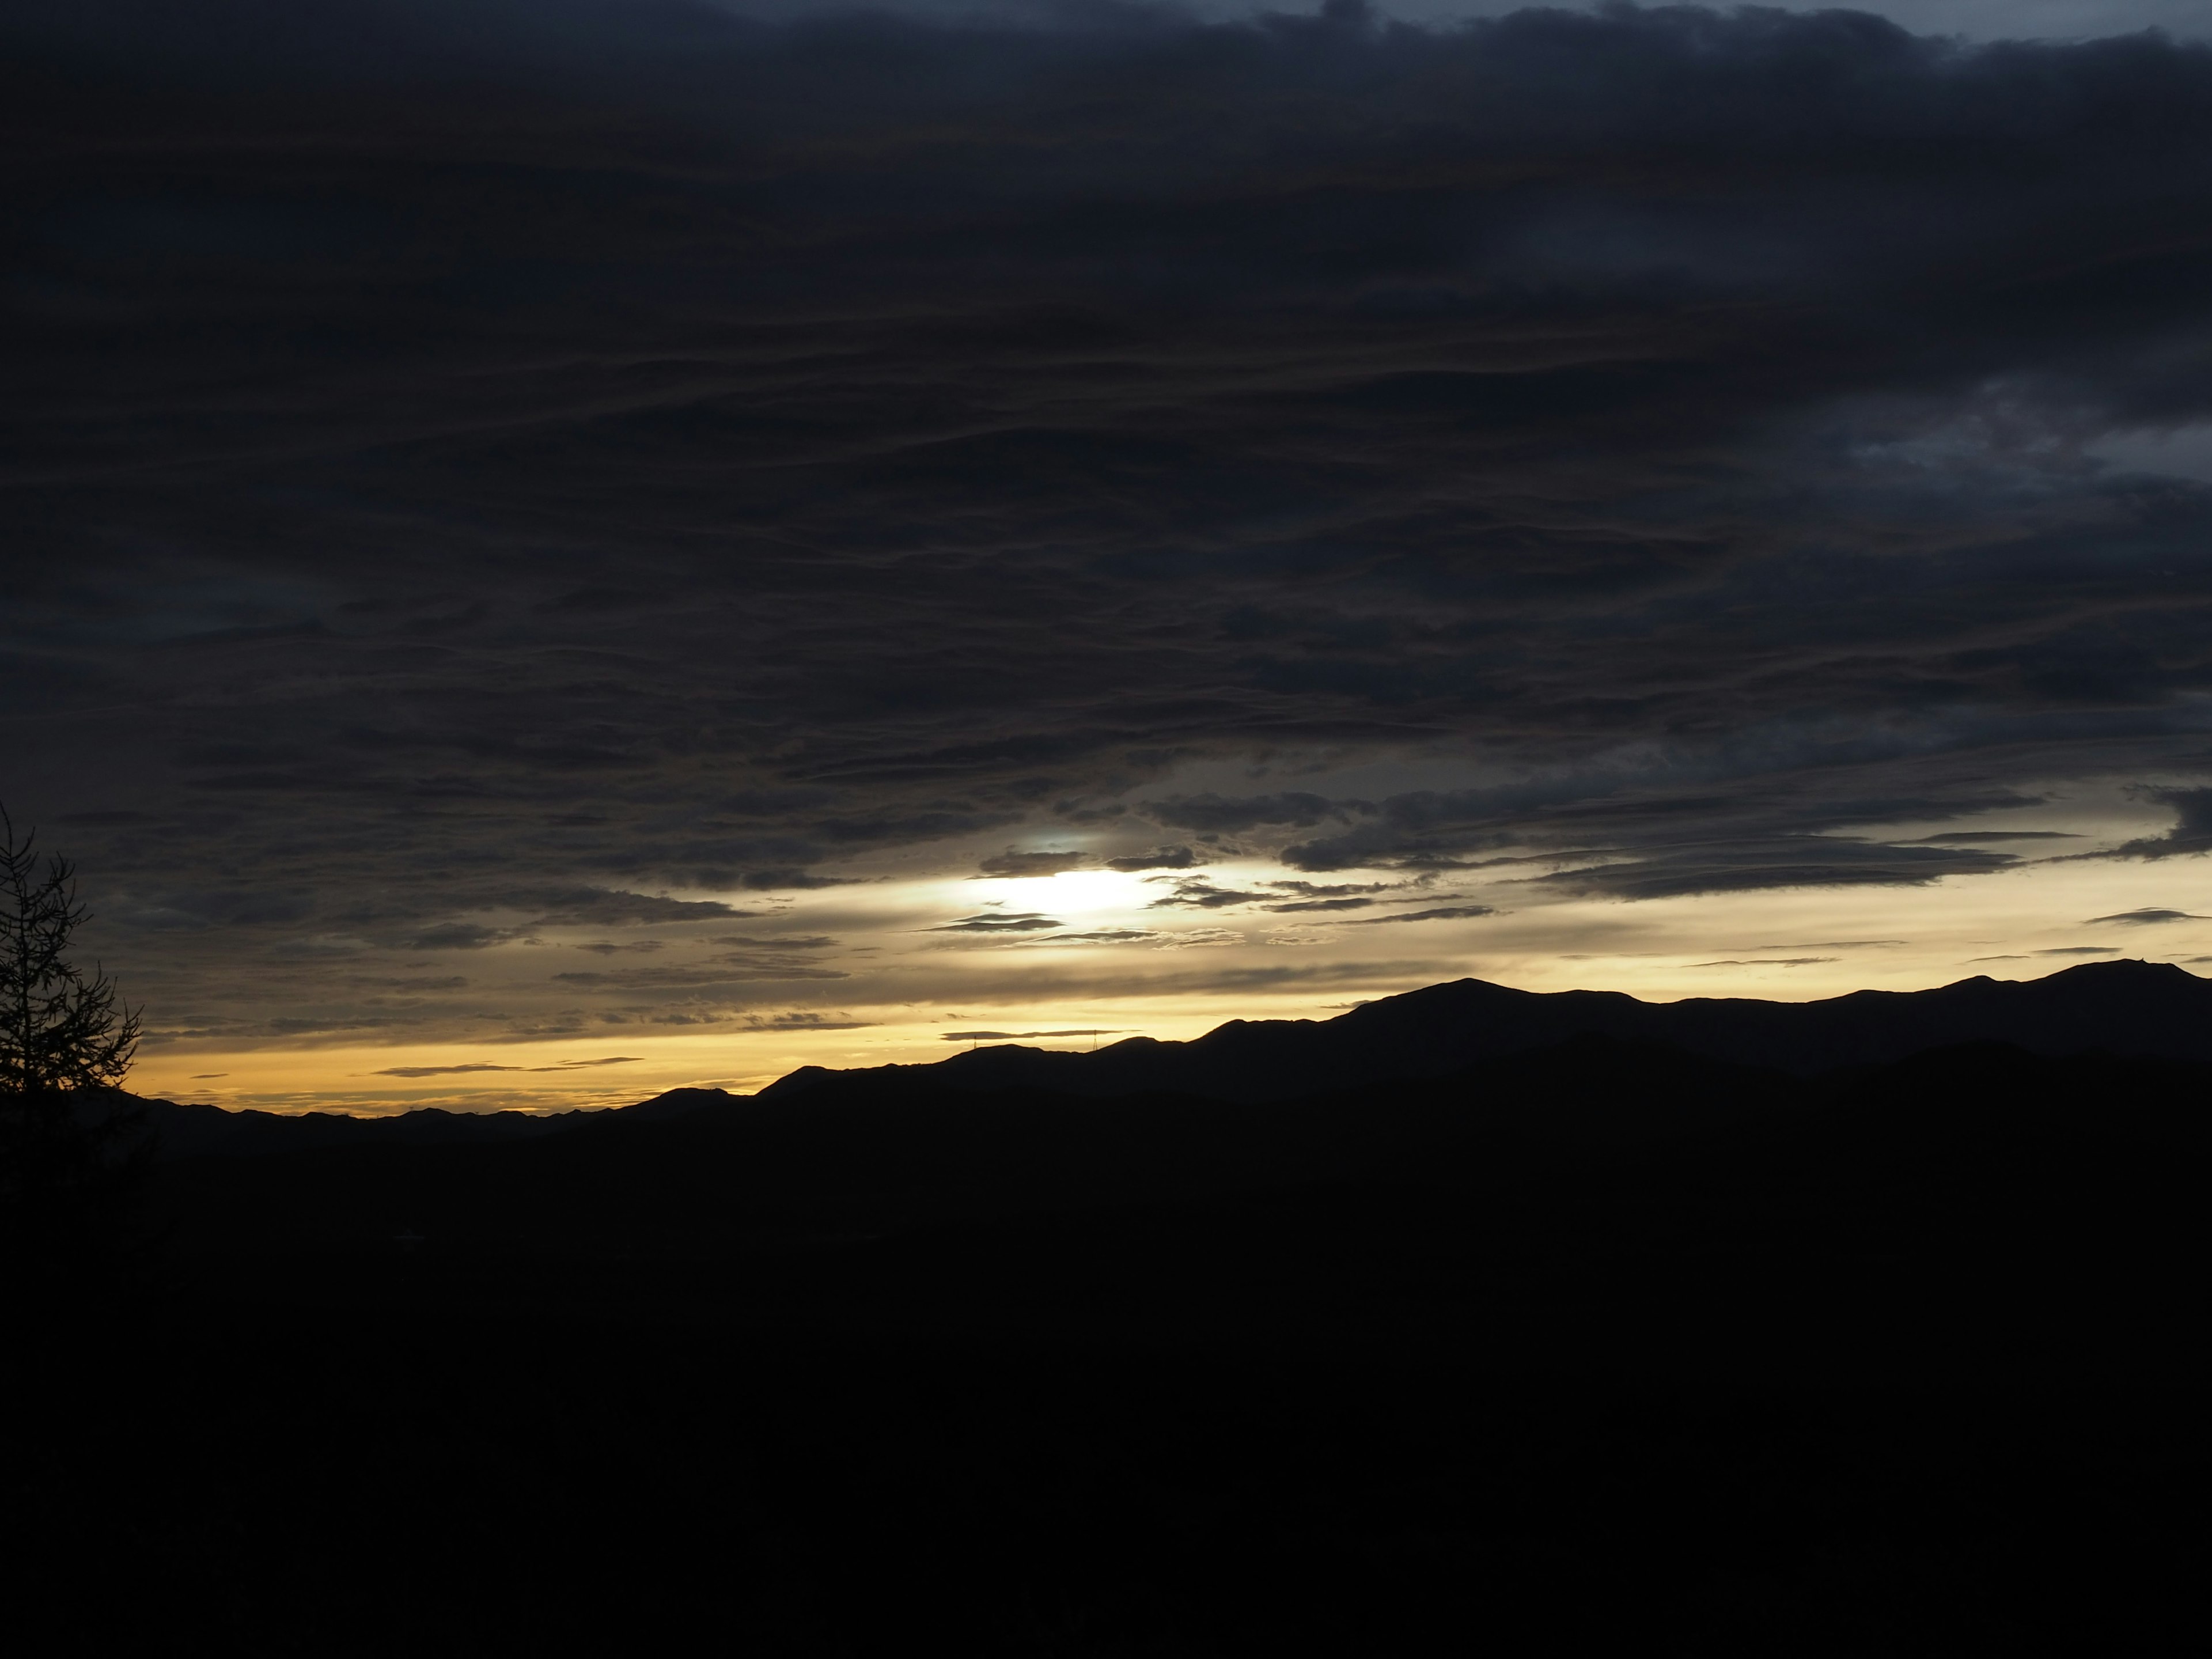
column 476, row 468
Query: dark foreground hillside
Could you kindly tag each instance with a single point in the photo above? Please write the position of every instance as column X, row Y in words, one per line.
column 1607, row 1343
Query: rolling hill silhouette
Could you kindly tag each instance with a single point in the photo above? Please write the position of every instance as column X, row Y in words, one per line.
column 182, row 1129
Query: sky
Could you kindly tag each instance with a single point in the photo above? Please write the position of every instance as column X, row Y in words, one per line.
column 560, row 549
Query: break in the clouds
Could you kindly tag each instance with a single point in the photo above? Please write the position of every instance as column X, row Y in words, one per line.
column 477, row 471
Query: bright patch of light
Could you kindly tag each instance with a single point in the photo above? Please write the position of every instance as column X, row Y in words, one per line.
column 1084, row 893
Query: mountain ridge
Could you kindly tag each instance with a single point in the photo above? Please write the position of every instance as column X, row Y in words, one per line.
column 2156, row 1010
column 2132, row 1007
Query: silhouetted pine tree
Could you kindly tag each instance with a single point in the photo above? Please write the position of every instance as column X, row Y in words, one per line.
column 66, row 1041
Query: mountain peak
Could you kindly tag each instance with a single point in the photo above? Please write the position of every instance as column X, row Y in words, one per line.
column 2126, row 967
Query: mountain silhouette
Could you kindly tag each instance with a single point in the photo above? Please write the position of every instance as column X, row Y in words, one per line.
column 1609, row 1203
column 2143, row 1009
column 181, row 1129
column 1258, row 1356
column 2125, row 1007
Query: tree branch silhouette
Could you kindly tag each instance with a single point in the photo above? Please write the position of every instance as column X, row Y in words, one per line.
column 66, row 1042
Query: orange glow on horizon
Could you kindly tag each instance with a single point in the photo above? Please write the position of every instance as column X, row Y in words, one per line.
column 897, row 981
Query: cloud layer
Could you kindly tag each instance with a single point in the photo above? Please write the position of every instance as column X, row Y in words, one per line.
column 476, row 468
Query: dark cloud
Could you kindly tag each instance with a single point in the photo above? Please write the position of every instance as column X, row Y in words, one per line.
column 1197, row 895
column 185, row 910
column 1011, row 863
column 1160, row 858
column 570, row 906
column 485, row 1066
column 480, row 461
column 1022, row 923
column 2150, row 916
column 1976, row 837
column 729, row 969
column 1018, row 1036
column 1247, row 811
column 766, row 881
column 462, row 936
column 1764, row 961
column 444, row 1071
column 1647, row 842
column 1748, row 864
column 1442, row 912
column 2192, row 829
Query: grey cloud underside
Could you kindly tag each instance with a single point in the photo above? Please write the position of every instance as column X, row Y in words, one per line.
column 1764, row 961
column 726, row 970
column 1011, row 863
column 1160, row 858
column 487, row 1066
column 1204, row 895
column 1018, row 1036
column 1979, row 837
column 1441, row 913
column 1300, row 808
column 2192, row 830
column 454, row 454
